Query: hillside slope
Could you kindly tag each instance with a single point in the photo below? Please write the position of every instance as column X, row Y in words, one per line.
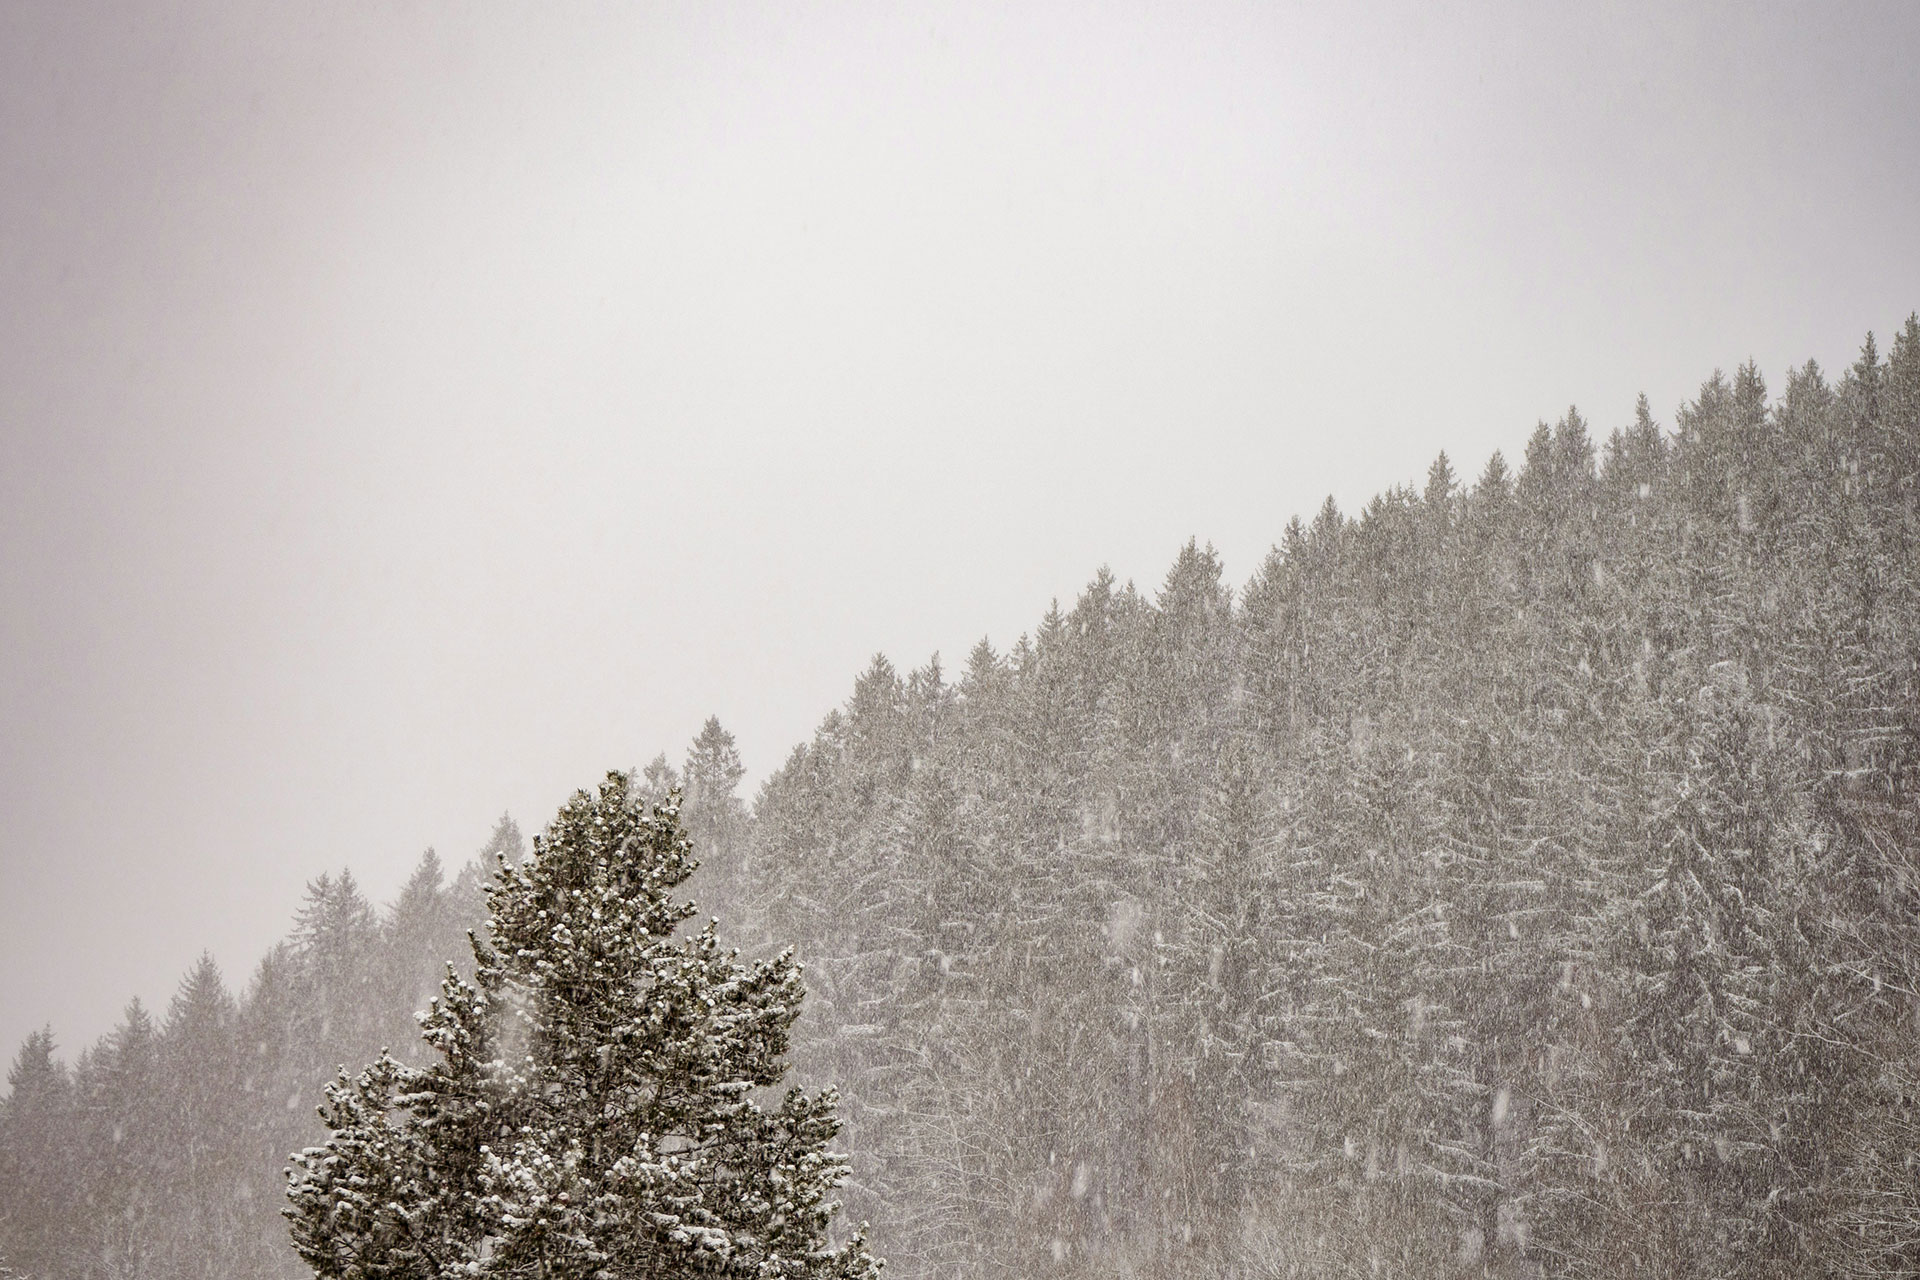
column 1520, row 878
column 1520, row 875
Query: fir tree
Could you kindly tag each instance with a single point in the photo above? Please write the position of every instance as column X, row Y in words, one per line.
column 39, row 1198
column 712, row 812
column 592, row 1111
column 120, row 1099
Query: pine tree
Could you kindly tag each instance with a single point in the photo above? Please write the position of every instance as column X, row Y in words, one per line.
column 715, row 817
column 465, row 900
column 505, row 842
column 592, row 1111
column 713, row 774
column 201, row 1119
column 40, row 1220
column 1536, row 482
column 337, row 943
column 1901, row 403
column 119, row 1087
column 653, row 784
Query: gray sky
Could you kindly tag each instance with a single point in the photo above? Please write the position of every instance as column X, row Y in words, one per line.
column 409, row 411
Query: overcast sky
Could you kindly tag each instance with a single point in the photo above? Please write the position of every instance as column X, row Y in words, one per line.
column 409, row 411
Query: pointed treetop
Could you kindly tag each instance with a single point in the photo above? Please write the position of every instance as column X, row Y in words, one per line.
column 713, row 760
column 927, row 682
column 128, row 1049
column 1539, row 455
column 505, row 842
column 202, row 998
column 1749, row 396
column 1867, row 368
column 1903, row 387
column 1194, row 582
column 1906, row 344
column 1293, row 540
column 335, row 916
column 1572, row 448
column 423, row 886
column 983, row 664
column 1864, row 383
column 1438, row 494
column 1643, row 423
column 1096, row 601
column 877, row 692
column 1495, row 482
column 657, row 781
column 136, row 1023
column 1710, row 406
column 1053, row 626
column 1807, row 396
column 1327, row 523
column 35, row 1071
column 714, row 810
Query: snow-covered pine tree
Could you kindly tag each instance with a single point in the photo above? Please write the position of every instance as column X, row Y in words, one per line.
column 591, row 1116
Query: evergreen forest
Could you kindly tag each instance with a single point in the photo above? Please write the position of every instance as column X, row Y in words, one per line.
column 1519, row 876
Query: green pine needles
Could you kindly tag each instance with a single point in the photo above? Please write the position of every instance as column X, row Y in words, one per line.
column 592, row 1113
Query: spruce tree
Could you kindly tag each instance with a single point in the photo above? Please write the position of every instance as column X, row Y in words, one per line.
column 713, row 775
column 119, row 1095
column 592, row 1113
column 40, row 1210
column 200, row 1128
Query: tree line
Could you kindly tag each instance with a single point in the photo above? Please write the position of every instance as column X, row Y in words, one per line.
column 1517, row 878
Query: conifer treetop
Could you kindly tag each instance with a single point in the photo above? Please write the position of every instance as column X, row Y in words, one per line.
column 592, row 1115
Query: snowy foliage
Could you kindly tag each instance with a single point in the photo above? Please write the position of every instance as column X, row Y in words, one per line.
column 1517, row 878
column 592, row 1112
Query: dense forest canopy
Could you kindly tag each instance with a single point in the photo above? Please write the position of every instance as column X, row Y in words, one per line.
column 1518, row 877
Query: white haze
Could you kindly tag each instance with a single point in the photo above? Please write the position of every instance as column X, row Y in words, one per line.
column 409, row 411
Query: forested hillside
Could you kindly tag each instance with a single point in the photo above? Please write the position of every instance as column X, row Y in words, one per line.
column 161, row 1152
column 1519, row 878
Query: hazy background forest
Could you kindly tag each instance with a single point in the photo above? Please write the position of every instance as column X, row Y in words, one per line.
column 1517, row 876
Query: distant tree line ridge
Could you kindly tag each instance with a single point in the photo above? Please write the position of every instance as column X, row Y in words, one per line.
column 1519, row 878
